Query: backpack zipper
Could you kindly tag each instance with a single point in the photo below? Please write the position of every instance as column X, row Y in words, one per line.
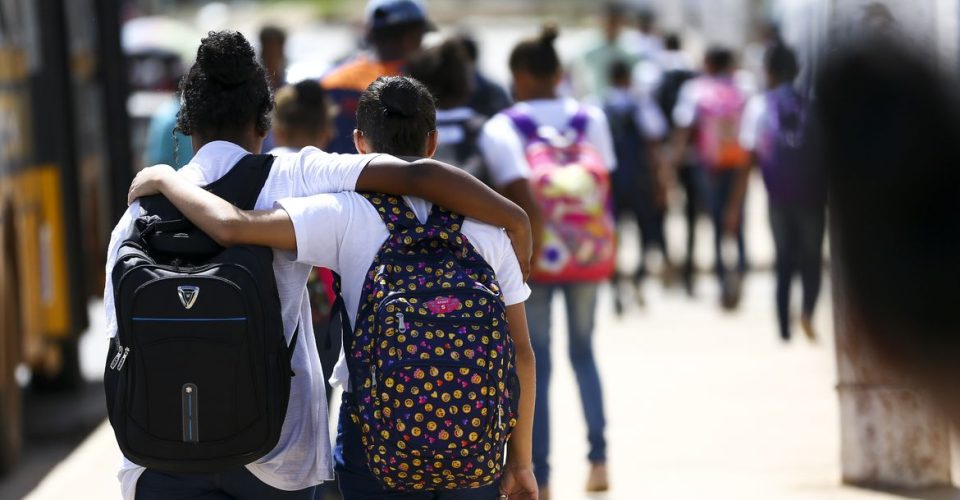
column 403, row 324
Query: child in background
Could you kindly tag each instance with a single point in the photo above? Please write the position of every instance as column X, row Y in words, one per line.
column 709, row 111
column 774, row 129
column 445, row 70
column 637, row 127
column 302, row 118
column 350, row 235
column 568, row 208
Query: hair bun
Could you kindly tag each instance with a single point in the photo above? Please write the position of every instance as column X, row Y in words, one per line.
column 399, row 97
column 227, row 58
column 549, row 33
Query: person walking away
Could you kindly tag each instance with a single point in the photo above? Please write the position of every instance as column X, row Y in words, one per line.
column 677, row 69
column 487, row 98
column 568, row 204
column 709, row 111
column 226, row 112
column 435, row 356
column 395, row 30
column 302, row 118
column 637, row 127
column 644, row 42
column 774, row 129
column 445, row 70
column 592, row 71
column 273, row 42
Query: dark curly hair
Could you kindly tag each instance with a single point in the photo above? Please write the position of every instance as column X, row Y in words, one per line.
column 395, row 114
column 226, row 89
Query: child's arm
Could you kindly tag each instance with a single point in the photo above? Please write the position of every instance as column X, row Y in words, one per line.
column 456, row 190
column 218, row 218
column 520, row 193
column 438, row 182
column 518, row 479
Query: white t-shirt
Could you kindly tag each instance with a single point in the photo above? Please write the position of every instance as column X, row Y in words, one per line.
column 648, row 116
column 753, row 117
column 503, row 146
column 302, row 458
column 343, row 232
column 685, row 111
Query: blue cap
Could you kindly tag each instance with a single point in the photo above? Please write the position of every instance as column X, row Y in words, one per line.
column 385, row 13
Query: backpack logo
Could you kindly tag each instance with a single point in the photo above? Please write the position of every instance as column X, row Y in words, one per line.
column 188, row 295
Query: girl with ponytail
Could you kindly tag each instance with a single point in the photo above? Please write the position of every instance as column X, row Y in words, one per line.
column 568, row 259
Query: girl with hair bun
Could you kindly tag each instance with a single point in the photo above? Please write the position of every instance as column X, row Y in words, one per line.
column 552, row 156
column 226, row 113
column 346, row 233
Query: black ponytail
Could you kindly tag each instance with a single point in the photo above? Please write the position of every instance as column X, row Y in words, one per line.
column 395, row 114
column 225, row 90
column 537, row 56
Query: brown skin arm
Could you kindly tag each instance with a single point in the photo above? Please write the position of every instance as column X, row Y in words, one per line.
column 518, row 479
column 519, row 192
column 438, row 182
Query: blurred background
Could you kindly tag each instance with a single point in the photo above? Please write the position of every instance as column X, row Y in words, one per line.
column 702, row 400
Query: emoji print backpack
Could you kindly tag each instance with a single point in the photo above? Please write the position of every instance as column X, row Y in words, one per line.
column 571, row 183
column 431, row 358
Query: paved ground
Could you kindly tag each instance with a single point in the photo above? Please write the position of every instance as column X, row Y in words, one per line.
column 700, row 403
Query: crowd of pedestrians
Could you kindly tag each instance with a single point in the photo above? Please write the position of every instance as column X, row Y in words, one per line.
column 627, row 129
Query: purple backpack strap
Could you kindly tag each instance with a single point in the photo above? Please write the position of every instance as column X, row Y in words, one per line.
column 579, row 122
column 524, row 123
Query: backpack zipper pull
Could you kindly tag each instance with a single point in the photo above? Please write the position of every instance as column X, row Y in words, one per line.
column 116, row 357
column 499, row 416
column 123, row 359
column 403, row 324
column 373, row 378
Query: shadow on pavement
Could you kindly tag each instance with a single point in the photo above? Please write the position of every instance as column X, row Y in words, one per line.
column 54, row 424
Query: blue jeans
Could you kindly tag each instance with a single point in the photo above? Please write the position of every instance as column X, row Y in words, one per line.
column 581, row 302
column 798, row 238
column 235, row 485
column 716, row 188
column 358, row 483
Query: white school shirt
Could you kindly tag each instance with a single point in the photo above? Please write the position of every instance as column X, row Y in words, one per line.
column 754, row 116
column 343, row 232
column 688, row 100
column 649, row 118
column 504, row 149
column 302, row 457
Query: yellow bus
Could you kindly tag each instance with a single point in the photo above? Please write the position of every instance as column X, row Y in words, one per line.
column 63, row 130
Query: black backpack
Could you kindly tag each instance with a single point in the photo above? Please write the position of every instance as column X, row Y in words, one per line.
column 198, row 376
column 668, row 93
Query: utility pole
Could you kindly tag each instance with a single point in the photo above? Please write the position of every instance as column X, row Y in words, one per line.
column 891, row 435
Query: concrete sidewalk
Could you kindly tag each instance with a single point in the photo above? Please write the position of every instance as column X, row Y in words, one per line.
column 701, row 404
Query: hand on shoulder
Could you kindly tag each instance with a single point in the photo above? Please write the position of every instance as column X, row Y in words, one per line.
column 148, row 181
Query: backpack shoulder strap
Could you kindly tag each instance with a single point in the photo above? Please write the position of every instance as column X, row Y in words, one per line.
column 243, row 183
column 394, row 212
column 452, row 222
column 578, row 123
column 524, row 123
